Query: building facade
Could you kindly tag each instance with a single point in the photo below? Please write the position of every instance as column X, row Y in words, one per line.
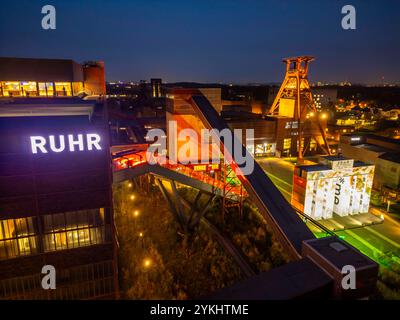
column 55, row 182
column 324, row 97
column 382, row 152
column 336, row 185
column 55, row 201
column 24, row 77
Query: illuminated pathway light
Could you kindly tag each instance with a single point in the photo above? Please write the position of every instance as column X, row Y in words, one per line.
column 147, row 263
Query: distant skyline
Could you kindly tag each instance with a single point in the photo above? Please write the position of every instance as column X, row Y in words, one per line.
column 211, row 41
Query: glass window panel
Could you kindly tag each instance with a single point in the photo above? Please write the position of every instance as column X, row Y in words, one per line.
column 42, row 89
column 73, row 240
column 19, row 241
column 11, row 88
column 49, row 243
column 63, row 89
column 32, row 243
column 50, row 88
column 84, row 237
column 61, row 240
column 2, row 233
column 10, row 228
column 81, row 218
column 58, row 222
column 21, row 227
column 28, row 88
column 24, row 245
column 72, row 220
column 31, row 226
column 48, row 222
column 286, row 143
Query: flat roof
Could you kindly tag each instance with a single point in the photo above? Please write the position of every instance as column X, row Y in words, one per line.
column 372, row 136
column 391, row 156
column 381, row 138
column 46, row 111
column 361, row 164
column 339, row 253
column 44, row 100
column 32, row 69
column 372, row 147
column 314, row 167
column 335, row 158
column 39, row 107
column 296, row 279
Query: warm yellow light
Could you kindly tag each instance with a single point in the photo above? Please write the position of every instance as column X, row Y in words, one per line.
column 136, row 213
column 132, row 197
column 141, row 234
column 147, row 263
column 311, row 114
column 129, row 185
column 324, row 116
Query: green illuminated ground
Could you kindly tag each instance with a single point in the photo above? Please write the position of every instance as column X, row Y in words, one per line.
column 379, row 242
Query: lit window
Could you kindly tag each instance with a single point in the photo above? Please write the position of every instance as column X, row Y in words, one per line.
column 63, row 89
column 260, row 149
column 42, row 89
column 28, row 88
column 17, row 237
column 46, row 89
column 200, row 168
column 11, row 89
column 287, row 143
column 74, row 229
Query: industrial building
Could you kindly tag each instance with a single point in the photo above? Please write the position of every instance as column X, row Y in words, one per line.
column 55, row 183
column 383, row 152
column 336, row 185
column 26, row 77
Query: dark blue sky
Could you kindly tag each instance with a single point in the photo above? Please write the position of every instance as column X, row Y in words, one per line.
column 210, row 41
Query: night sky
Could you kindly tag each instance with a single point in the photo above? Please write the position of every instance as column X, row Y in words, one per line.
column 210, row 41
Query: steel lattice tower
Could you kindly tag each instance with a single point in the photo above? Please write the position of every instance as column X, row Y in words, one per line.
column 296, row 90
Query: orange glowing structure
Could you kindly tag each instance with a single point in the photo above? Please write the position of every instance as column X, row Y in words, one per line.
column 295, row 100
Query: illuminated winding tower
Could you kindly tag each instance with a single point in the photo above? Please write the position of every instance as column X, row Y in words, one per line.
column 294, row 100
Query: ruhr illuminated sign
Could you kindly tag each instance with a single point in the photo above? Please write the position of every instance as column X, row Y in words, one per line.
column 70, row 142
